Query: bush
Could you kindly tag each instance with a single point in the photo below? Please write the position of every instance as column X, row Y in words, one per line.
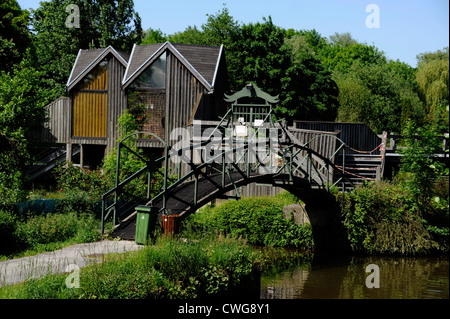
column 383, row 218
column 78, row 201
column 71, row 179
column 258, row 219
column 54, row 228
column 8, row 240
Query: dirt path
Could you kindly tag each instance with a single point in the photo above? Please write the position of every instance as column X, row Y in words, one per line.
column 59, row 261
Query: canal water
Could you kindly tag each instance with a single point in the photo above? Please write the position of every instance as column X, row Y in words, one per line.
column 350, row 277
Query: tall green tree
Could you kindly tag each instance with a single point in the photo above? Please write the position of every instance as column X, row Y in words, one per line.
column 21, row 111
column 433, row 82
column 45, row 66
column 342, row 39
column 262, row 56
column 310, row 91
column 101, row 23
column 377, row 95
column 343, row 51
column 219, row 29
column 15, row 36
column 412, row 108
column 152, row 36
column 279, row 61
column 417, row 162
column 191, row 35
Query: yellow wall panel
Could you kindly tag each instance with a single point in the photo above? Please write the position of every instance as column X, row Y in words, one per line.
column 89, row 114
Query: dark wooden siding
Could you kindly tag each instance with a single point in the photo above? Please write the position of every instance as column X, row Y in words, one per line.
column 356, row 135
column 57, row 129
column 117, row 101
column 256, row 190
column 322, row 142
column 182, row 92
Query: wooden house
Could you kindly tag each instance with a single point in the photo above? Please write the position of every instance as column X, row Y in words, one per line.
column 174, row 83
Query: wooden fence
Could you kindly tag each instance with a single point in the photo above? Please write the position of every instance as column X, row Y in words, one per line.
column 357, row 136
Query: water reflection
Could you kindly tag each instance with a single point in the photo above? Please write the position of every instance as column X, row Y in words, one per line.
column 345, row 278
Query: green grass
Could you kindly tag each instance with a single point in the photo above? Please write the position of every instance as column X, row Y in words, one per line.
column 169, row 269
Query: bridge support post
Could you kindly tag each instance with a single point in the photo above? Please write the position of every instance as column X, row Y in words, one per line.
column 69, row 152
column 323, row 213
column 195, row 189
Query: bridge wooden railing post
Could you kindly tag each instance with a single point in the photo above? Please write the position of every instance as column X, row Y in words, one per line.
column 195, row 188
column 166, row 166
column 223, row 160
column 291, row 158
column 380, row 170
column 343, row 169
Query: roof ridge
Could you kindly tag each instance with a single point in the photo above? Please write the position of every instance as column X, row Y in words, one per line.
column 197, row 45
column 102, row 53
column 126, row 76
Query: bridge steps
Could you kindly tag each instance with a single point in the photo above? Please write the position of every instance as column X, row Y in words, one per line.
column 48, row 160
column 360, row 168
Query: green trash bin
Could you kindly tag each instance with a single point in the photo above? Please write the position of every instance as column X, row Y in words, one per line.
column 145, row 223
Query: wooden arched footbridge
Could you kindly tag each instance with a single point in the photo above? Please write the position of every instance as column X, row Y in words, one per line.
column 246, row 146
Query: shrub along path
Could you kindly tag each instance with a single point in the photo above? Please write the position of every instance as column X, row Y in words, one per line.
column 20, row 269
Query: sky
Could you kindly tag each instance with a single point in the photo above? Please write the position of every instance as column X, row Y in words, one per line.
column 402, row 29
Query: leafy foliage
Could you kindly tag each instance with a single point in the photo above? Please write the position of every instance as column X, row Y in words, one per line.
column 129, row 162
column 45, row 232
column 14, row 34
column 73, row 179
column 433, row 81
column 102, row 23
column 418, row 165
column 49, row 228
column 381, row 218
column 341, row 56
column 376, row 95
column 259, row 220
column 39, row 64
column 152, row 36
column 21, row 112
column 169, row 269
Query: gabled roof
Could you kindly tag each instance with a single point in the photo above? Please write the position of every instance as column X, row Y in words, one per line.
column 201, row 61
column 87, row 59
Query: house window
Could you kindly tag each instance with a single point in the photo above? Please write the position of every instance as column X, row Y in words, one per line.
column 97, row 78
column 154, row 77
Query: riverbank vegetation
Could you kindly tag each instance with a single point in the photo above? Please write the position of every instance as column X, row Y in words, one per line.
column 30, row 229
column 259, row 220
column 170, row 268
column 408, row 215
column 382, row 218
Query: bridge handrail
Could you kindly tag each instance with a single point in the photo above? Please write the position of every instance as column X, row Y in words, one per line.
column 164, row 158
column 245, row 146
column 291, row 143
column 327, row 161
column 393, row 144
